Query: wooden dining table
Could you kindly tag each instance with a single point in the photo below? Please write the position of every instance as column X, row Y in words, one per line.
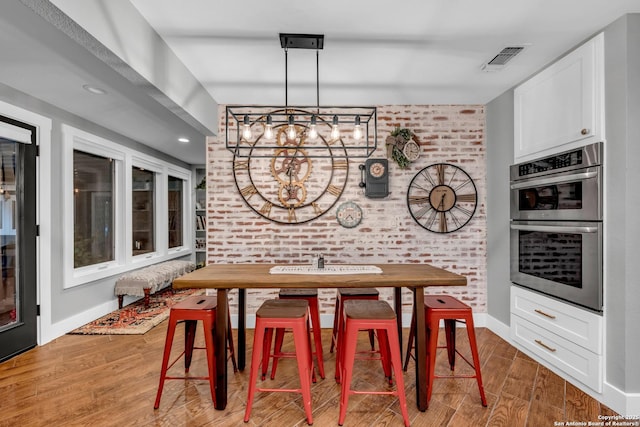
column 224, row 277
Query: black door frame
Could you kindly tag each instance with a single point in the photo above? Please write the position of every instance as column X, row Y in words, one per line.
column 24, row 336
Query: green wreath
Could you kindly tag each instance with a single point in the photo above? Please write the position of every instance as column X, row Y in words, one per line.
column 395, row 143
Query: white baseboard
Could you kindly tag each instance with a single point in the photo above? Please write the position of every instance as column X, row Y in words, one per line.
column 69, row 324
column 497, row 327
column 626, row 404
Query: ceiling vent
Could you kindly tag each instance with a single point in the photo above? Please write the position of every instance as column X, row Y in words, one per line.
column 501, row 59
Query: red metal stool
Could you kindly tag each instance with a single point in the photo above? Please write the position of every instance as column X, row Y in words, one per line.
column 367, row 315
column 311, row 296
column 190, row 310
column 450, row 310
column 345, row 294
column 275, row 314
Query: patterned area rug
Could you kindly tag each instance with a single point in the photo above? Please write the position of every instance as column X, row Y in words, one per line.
column 134, row 319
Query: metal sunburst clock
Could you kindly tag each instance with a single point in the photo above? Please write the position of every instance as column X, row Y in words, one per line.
column 442, row 198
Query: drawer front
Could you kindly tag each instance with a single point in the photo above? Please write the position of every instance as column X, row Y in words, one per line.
column 579, row 363
column 571, row 323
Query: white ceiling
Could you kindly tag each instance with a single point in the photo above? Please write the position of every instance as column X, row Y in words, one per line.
column 375, row 53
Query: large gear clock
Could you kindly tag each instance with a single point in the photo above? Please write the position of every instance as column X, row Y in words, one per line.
column 291, row 187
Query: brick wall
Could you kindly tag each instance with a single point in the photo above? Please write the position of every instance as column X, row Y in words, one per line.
column 387, row 233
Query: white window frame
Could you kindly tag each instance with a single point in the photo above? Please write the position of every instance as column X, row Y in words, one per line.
column 149, row 164
column 185, row 176
column 125, row 158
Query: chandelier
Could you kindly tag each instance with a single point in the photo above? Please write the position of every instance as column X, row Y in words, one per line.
column 323, row 132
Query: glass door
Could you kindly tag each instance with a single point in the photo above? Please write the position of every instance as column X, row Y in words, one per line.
column 18, row 294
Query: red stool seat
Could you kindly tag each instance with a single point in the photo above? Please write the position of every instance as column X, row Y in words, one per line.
column 366, row 315
column 450, row 310
column 190, row 310
column 311, row 296
column 276, row 314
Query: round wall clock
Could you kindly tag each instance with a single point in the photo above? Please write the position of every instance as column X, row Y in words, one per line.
column 377, row 169
column 442, row 198
column 349, row 214
column 411, row 151
column 290, row 187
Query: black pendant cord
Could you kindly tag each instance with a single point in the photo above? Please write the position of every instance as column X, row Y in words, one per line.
column 317, row 81
column 286, row 79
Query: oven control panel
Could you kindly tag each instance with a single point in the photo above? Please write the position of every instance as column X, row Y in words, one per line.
column 586, row 156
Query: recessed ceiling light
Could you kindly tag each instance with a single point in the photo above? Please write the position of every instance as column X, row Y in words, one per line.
column 183, row 139
column 94, row 89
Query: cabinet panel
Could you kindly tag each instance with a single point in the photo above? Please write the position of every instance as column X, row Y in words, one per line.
column 581, row 364
column 579, row 326
column 562, row 106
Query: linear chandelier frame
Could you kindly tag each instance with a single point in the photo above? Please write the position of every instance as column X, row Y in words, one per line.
column 321, row 131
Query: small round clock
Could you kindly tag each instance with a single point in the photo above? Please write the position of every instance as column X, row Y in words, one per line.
column 376, row 169
column 442, row 198
column 349, row 214
column 411, row 151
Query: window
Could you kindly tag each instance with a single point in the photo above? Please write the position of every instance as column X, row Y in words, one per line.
column 118, row 206
column 143, row 210
column 93, row 188
column 175, row 205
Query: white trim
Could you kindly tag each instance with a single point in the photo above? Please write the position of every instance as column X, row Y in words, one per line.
column 43, row 213
column 626, row 404
column 497, row 327
column 125, row 158
column 75, row 321
column 15, row 133
column 187, row 208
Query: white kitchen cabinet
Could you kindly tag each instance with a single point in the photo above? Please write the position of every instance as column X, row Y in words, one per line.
column 562, row 107
column 567, row 338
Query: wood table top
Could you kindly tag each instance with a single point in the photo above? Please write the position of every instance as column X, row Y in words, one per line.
column 230, row 276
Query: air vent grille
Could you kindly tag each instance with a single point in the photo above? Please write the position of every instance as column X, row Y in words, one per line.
column 502, row 58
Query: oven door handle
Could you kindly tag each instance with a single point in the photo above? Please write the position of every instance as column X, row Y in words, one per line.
column 554, row 180
column 554, row 228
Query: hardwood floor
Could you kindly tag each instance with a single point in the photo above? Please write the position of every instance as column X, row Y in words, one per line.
column 80, row 380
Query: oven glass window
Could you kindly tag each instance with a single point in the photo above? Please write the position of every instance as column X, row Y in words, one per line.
column 552, row 256
column 551, row 197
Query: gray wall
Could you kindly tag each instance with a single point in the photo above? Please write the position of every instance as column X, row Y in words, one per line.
column 499, row 146
column 68, row 302
column 622, row 266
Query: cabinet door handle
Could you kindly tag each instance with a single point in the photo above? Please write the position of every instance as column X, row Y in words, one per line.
column 584, row 131
column 541, row 344
column 550, row 316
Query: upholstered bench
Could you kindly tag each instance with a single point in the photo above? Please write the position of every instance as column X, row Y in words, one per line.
column 150, row 279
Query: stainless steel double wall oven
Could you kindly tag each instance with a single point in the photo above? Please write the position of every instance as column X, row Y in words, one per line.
column 556, row 225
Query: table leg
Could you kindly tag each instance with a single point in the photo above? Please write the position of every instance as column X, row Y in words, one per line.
column 222, row 315
column 397, row 300
column 420, row 349
column 242, row 326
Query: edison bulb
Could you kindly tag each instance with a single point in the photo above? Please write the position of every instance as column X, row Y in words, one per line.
column 291, row 132
column 313, row 132
column 335, row 131
column 357, row 132
column 246, row 129
column 268, row 128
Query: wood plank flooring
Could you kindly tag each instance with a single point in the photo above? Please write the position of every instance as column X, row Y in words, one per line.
column 112, row 380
